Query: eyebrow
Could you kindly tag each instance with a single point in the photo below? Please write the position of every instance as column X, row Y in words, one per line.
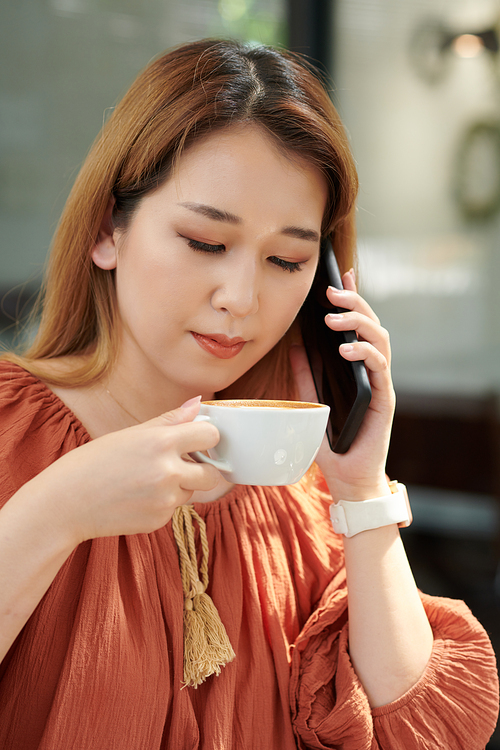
column 212, row 213
column 218, row 215
column 301, row 234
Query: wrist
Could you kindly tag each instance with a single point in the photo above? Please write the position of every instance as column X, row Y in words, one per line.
column 359, row 491
column 389, row 509
column 47, row 516
column 31, row 540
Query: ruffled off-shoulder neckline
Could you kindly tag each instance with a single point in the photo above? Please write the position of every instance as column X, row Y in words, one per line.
column 32, row 389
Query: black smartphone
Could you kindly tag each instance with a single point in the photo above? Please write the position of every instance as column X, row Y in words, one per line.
column 343, row 385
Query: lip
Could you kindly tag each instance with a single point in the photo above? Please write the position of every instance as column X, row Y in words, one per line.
column 219, row 345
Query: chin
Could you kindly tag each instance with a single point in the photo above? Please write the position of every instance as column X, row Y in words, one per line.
column 224, row 380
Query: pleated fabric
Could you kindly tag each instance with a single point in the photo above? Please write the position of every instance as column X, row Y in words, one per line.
column 99, row 665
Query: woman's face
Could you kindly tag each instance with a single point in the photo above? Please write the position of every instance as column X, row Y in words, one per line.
column 216, row 263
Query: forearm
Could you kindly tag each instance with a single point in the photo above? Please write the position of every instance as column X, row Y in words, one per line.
column 32, row 550
column 390, row 639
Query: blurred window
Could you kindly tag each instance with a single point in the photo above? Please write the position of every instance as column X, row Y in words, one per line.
column 417, row 87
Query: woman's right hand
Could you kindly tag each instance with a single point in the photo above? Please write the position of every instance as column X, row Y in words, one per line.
column 126, row 482
column 129, row 481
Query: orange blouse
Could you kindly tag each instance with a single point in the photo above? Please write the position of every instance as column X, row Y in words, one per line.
column 99, row 665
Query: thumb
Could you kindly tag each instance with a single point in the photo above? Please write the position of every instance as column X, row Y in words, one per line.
column 184, row 413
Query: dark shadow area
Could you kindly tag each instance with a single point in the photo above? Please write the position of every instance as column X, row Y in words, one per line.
column 309, row 25
column 447, row 451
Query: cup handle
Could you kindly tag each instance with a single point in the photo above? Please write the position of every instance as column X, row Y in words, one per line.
column 219, row 464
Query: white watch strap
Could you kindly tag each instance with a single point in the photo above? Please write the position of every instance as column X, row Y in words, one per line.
column 350, row 518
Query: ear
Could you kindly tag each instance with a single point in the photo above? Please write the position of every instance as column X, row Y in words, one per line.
column 104, row 251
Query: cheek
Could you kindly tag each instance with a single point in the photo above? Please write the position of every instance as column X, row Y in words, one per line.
column 283, row 309
column 152, row 281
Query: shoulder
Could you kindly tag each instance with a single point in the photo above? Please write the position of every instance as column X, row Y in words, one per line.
column 21, row 398
column 35, row 427
column 19, row 391
column 26, row 400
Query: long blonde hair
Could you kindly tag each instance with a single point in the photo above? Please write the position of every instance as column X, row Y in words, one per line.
column 181, row 97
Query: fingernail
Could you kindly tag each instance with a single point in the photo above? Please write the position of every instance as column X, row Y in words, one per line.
column 337, row 291
column 335, row 316
column 191, row 402
column 346, row 347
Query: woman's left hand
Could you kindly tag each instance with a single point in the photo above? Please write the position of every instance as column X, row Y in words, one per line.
column 358, row 474
column 390, row 639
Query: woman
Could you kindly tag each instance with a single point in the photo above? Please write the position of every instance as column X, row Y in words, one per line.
column 188, row 244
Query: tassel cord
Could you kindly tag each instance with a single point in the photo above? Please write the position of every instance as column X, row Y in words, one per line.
column 206, row 645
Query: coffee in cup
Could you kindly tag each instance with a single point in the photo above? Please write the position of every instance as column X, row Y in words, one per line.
column 264, row 442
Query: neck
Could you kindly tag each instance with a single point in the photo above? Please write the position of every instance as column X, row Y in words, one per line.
column 146, row 394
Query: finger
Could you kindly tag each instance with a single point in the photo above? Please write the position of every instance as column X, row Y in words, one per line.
column 198, row 476
column 191, row 436
column 349, row 280
column 350, row 300
column 366, row 352
column 302, row 373
column 365, row 328
column 185, row 413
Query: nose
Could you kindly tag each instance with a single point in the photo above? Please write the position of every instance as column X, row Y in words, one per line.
column 237, row 291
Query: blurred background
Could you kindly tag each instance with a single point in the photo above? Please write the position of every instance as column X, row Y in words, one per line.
column 417, row 83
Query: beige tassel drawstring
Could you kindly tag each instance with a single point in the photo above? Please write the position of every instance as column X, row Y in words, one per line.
column 206, row 645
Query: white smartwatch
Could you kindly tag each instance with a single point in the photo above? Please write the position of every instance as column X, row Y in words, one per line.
column 349, row 518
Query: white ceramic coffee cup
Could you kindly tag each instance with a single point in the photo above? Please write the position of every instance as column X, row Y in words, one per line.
column 265, row 443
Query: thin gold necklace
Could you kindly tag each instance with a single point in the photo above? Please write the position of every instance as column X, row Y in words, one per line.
column 121, row 405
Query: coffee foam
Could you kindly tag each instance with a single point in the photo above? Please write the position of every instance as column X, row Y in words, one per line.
column 269, row 404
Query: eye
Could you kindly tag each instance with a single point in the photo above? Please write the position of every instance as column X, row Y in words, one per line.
column 204, row 247
column 287, row 265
